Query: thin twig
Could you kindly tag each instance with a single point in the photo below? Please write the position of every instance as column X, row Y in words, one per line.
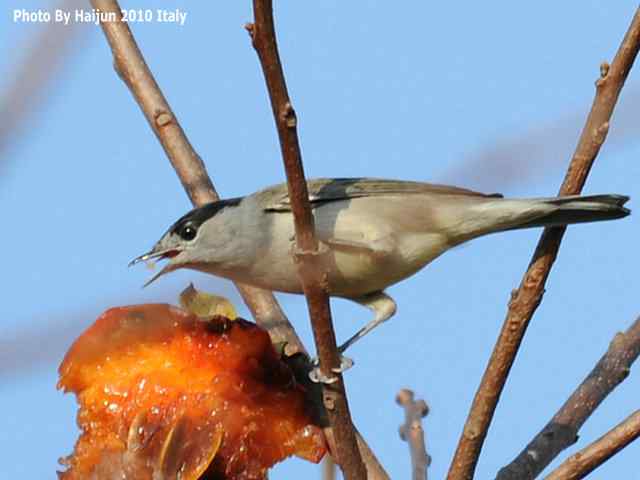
column 562, row 429
column 411, row 431
column 592, row 456
column 528, row 296
column 132, row 68
column 309, row 256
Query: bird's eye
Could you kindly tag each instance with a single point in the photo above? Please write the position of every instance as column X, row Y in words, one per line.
column 188, row 232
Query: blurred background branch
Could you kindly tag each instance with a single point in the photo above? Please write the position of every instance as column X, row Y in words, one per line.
column 539, row 151
column 50, row 49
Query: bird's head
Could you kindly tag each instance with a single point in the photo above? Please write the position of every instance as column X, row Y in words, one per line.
column 187, row 241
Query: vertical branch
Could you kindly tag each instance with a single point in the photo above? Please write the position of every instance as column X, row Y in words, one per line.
column 411, row 431
column 562, row 429
column 592, row 456
column 525, row 300
column 308, row 254
column 133, row 70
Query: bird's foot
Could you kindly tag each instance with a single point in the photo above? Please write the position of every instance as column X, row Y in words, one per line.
column 316, row 375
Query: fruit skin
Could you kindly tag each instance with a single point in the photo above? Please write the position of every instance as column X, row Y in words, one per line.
column 162, row 391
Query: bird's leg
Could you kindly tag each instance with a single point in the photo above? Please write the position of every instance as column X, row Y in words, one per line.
column 383, row 308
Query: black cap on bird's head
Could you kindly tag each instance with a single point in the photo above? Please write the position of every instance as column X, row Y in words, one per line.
column 181, row 236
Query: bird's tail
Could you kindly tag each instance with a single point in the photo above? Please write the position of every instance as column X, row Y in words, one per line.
column 497, row 215
column 576, row 209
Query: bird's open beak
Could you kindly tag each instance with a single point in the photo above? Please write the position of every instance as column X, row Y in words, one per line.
column 153, row 254
column 157, row 254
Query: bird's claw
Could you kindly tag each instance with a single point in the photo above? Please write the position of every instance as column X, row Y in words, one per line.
column 345, row 364
column 316, row 375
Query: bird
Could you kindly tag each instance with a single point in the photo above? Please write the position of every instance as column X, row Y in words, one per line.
column 377, row 232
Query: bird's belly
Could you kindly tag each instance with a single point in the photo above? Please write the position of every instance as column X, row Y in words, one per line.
column 355, row 273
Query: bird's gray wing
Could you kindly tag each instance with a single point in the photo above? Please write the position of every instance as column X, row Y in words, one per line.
column 324, row 190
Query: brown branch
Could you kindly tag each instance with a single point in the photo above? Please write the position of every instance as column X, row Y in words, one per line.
column 528, row 296
column 592, row 456
column 411, row 431
column 308, row 254
column 562, row 429
column 132, row 68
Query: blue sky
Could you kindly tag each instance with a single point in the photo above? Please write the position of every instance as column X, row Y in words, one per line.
column 413, row 91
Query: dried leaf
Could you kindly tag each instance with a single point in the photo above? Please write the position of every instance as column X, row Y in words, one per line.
column 205, row 305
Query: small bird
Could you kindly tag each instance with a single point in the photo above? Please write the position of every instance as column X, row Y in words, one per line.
column 377, row 231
